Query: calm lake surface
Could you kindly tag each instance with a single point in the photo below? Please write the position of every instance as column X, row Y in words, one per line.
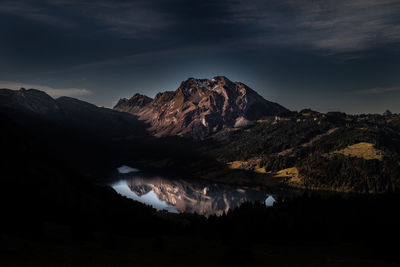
column 181, row 195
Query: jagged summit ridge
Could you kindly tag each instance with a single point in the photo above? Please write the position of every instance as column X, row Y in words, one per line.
column 135, row 103
column 200, row 106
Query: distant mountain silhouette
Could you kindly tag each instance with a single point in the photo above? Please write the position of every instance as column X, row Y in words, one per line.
column 85, row 135
column 200, row 106
column 26, row 105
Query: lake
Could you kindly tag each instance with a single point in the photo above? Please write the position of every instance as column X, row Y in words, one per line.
column 179, row 195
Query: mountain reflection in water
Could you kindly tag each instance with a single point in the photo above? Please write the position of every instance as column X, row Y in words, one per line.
column 179, row 195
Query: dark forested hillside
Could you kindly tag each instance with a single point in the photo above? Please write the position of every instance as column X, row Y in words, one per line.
column 332, row 151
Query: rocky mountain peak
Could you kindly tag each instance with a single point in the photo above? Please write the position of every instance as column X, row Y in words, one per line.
column 135, row 103
column 200, row 106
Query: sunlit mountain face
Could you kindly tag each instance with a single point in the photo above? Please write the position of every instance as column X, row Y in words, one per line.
column 183, row 196
column 200, row 106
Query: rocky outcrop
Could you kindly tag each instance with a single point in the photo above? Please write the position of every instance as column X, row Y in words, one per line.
column 199, row 107
column 134, row 104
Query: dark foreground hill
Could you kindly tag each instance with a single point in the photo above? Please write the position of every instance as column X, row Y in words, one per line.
column 34, row 107
column 76, row 130
column 91, row 138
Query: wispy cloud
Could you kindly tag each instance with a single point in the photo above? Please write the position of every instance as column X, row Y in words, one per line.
column 31, row 11
column 336, row 26
column 377, row 90
column 55, row 92
column 126, row 18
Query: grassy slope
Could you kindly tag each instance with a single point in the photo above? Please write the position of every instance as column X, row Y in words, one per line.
column 345, row 153
column 362, row 150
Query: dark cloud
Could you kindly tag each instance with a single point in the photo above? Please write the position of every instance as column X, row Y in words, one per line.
column 338, row 26
column 30, row 10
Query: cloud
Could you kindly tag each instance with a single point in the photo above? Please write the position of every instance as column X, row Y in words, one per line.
column 336, row 26
column 55, row 92
column 378, row 90
column 129, row 19
column 34, row 12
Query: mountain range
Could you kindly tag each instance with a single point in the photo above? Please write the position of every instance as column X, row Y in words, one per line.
column 67, row 112
column 217, row 130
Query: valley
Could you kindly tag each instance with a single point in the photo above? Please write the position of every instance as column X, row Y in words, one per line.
column 276, row 148
column 64, row 154
column 321, row 147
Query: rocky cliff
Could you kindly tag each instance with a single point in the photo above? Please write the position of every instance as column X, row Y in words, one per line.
column 199, row 107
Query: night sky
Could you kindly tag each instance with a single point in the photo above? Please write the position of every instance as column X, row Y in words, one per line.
column 325, row 55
